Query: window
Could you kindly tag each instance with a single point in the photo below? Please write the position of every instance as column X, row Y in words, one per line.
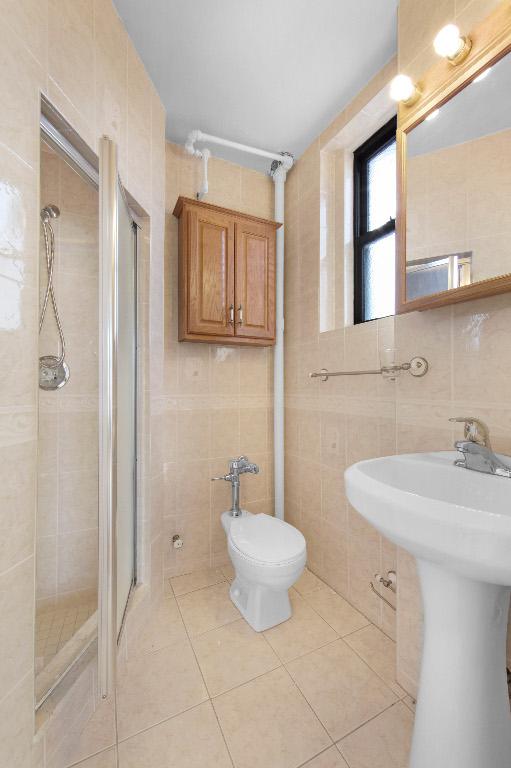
column 374, row 221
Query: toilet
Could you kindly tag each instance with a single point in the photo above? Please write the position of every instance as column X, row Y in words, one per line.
column 268, row 556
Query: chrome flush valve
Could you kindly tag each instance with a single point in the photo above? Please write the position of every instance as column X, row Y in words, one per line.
column 237, row 467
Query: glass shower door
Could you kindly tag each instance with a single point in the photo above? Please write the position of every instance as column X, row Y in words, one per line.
column 117, row 422
column 126, row 405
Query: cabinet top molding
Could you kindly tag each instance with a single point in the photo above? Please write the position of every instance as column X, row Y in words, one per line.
column 190, row 201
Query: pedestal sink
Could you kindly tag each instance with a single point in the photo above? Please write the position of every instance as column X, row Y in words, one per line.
column 457, row 523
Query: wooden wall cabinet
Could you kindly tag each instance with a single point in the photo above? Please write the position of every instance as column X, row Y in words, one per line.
column 226, row 275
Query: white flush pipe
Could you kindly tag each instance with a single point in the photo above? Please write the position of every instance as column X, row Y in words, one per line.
column 197, row 135
column 279, row 180
column 206, row 154
column 278, row 174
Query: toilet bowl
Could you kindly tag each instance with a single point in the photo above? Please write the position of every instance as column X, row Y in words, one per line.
column 268, row 557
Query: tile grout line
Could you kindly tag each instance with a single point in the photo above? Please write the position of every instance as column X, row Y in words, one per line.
column 198, row 589
column 160, row 722
column 215, row 696
column 306, row 653
column 212, row 698
column 300, row 656
column 95, row 754
column 295, row 684
column 241, row 685
column 282, row 665
column 323, row 751
column 369, row 720
column 349, row 634
column 397, row 701
column 327, row 586
column 405, row 693
column 321, row 647
column 205, row 685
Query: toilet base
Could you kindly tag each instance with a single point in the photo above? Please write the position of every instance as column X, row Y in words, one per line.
column 261, row 607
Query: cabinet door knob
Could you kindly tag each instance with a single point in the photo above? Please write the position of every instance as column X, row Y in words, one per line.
column 231, row 314
column 240, row 315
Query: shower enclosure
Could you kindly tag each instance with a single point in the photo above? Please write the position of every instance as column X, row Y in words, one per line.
column 86, row 501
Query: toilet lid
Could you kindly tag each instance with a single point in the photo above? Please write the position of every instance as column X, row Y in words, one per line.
column 266, row 539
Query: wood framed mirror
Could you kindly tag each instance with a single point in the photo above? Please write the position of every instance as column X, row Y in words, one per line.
column 454, row 177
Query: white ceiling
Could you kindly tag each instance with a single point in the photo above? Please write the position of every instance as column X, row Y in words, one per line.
column 270, row 73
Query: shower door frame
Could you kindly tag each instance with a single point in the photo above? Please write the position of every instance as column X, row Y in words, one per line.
column 107, row 495
column 110, row 188
column 54, row 131
column 135, row 226
column 102, row 171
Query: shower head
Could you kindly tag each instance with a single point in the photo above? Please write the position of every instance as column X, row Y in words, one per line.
column 49, row 212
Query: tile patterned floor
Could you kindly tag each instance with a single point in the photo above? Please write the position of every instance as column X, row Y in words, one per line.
column 203, row 689
column 55, row 626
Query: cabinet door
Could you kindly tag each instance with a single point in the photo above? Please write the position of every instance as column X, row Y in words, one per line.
column 210, row 267
column 255, row 280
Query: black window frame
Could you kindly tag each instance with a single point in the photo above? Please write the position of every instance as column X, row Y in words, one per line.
column 383, row 137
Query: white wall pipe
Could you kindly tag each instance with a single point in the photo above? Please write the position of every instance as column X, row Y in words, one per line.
column 279, row 180
column 197, row 135
column 206, row 154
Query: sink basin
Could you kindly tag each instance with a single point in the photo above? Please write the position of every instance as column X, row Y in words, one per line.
column 457, row 523
column 438, row 511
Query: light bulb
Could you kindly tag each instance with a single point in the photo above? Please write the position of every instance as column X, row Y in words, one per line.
column 451, row 45
column 402, row 88
column 433, row 114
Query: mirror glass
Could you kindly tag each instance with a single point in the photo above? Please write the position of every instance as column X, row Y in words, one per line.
column 458, row 188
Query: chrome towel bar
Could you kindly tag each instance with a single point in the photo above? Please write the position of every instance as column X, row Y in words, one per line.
column 418, row 366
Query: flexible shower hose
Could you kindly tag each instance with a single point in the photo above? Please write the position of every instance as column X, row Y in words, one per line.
column 49, row 242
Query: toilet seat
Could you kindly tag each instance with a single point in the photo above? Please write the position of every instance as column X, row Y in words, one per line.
column 266, row 540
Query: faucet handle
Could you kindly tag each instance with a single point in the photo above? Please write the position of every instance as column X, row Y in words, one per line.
column 475, row 430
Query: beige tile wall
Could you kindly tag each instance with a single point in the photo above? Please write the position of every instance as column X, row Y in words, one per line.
column 80, row 56
column 457, row 201
column 218, row 400
column 67, row 488
column 331, row 425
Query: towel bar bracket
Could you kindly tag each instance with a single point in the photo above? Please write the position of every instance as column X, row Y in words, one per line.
column 418, row 367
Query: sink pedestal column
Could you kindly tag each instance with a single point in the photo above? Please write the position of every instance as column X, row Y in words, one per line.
column 462, row 718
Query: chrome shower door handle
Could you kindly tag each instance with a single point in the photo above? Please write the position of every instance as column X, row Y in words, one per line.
column 240, row 315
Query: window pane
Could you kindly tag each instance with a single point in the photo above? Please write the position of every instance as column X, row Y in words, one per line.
column 381, row 182
column 378, row 262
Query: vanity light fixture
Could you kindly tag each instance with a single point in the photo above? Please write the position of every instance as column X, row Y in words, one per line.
column 403, row 89
column 451, row 45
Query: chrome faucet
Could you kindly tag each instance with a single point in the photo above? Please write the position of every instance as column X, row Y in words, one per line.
column 237, row 467
column 476, row 449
